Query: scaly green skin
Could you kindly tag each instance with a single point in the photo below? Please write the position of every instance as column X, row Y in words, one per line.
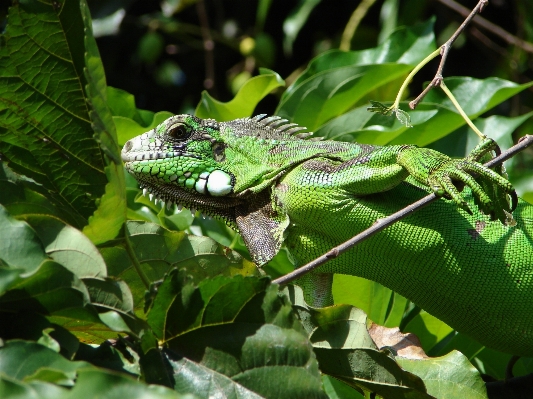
column 263, row 178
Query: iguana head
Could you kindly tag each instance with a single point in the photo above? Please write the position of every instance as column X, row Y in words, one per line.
column 222, row 169
column 198, row 162
column 179, row 162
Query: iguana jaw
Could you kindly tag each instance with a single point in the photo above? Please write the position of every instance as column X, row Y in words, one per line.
column 172, row 194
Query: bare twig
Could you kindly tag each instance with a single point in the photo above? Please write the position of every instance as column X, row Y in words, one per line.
column 385, row 222
column 486, row 24
column 445, row 49
column 209, row 46
column 353, row 23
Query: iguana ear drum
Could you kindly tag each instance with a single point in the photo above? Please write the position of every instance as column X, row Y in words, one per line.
column 219, row 152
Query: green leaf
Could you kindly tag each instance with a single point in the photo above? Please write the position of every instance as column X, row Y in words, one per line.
column 244, row 103
column 23, row 360
column 428, row 329
column 68, row 246
column 403, row 117
column 49, row 290
column 196, row 377
column 235, row 331
column 359, row 125
column 407, row 45
column 30, row 370
column 345, row 350
column 379, row 108
column 13, row 389
column 114, row 301
column 45, row 129
column 94, row 383
column 32, row 326
column 110, row 215
column 431, row 121
column 335, row 81
column 450, row 376
column 160, row 250
column 21, row 196
column 20, row 246
column 47, row 340
column 295, row 21
column 369, row 296
column 129, row 120
column 338, row 390
column 499, row 128
column 330, row 93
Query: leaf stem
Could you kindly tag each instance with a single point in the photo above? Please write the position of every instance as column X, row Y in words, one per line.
column 407, row 80
column 461, row 111
column 136, row 264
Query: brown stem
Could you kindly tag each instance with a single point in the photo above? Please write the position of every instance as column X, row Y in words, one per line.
column 385, row 222
column 445, row 49
column 486, row 24
column 209, row 46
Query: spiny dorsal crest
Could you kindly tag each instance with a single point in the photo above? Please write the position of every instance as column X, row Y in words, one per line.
column 271, row 127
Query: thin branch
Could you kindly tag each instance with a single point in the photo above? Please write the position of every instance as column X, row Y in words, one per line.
column 209, row 46
column 353, row 23
column 385, row 222
column 445, row 49
column 486, row 24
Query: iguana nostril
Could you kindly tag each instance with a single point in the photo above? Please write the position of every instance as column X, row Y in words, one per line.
column 127, row 146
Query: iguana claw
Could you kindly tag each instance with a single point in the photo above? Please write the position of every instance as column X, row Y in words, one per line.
column 447, row 176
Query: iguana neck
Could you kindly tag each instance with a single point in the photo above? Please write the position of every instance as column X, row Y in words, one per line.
column 261, row 158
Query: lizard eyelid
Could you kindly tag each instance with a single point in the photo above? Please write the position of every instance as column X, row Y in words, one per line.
column 179, row 131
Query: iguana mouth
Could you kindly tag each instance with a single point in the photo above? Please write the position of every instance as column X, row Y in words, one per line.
column 171, row 194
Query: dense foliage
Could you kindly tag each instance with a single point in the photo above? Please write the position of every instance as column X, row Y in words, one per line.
column 104, row 293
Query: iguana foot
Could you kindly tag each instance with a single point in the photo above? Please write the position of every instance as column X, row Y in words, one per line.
column 447, row 176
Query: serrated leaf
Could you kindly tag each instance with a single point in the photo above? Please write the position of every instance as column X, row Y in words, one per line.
column 45, row 129
column 448, row 377
column 20, row 246
column 346, row 351
column 159, row 250
column 380, row 108
column 234, row 330
column 68, row 246
column 403, row 117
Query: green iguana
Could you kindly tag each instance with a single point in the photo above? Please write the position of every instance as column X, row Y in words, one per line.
column 264, row 177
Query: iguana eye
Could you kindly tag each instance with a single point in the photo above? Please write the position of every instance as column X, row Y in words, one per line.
column 179, row 131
